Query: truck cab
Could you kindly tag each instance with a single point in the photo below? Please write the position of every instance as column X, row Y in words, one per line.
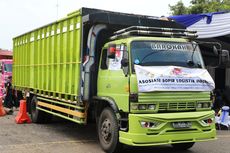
column 5, row 72
column 177, row 110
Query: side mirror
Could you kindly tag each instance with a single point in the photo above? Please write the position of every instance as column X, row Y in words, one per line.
column 124, row 62
column 125, row 66
column 224, row 57
column 215, row 50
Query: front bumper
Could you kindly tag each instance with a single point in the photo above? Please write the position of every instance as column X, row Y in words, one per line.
column 165, row 133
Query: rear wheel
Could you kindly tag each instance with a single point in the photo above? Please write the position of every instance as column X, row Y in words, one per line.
column 183, row 146
column 108, row 132
column 38, row 116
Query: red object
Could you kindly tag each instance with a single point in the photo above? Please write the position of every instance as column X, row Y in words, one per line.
column 177, row 71
column 209, row 121
column 112, row 50
column 22, row 116
column 118, row 53
column 2, row 110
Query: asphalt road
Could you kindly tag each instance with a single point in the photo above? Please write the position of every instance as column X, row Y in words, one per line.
column 68, row 137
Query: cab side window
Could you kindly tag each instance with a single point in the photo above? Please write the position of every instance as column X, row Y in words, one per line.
column 116, row 56
column 112, row 60
column 104, row 63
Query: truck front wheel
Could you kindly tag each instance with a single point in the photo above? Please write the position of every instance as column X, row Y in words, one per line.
column 108, row 132
column 183, row 146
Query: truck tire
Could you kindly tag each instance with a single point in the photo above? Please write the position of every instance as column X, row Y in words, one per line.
column 183, row 146
column 38, row 116
column 108, row 132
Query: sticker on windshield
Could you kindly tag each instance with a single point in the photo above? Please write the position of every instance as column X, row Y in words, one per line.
column 170, row 46
column 137, row 61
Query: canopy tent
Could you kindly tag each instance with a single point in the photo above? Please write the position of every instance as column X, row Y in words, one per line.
column 207, row 25
column 211, row 27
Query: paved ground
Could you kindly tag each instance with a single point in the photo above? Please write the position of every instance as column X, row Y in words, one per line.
column 67, row 137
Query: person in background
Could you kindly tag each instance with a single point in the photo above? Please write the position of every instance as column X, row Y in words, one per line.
column 16, row 102
column 8, row 102
column 218, row 101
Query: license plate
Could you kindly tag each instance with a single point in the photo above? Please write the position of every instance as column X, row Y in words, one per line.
column 181, row 125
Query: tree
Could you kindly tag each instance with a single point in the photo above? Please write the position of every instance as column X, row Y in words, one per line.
column 200, row 6
column 179, row 8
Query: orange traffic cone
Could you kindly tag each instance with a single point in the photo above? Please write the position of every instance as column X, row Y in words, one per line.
column 22, row 116
column 2, row 110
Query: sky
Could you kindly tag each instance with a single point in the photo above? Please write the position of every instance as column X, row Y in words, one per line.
column 20, row 16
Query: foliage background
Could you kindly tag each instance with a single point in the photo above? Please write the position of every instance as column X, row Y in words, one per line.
column 200, row 6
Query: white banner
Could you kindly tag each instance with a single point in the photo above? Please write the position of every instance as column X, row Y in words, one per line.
column 173, row 78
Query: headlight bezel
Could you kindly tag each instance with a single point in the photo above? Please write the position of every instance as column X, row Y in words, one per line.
column 201, row 105
column 143, row 107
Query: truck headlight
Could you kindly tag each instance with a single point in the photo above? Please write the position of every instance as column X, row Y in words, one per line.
column 203, row 105
column 151, row 106
column 142, row 106
column 135, row 106
column 199, row 105
column 206, row 105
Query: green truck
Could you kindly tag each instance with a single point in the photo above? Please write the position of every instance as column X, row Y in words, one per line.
column 140, row 78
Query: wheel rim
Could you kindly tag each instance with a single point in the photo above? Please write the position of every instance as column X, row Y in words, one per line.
column 106, row 132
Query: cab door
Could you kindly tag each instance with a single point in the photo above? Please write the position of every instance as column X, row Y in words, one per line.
column 112, row 81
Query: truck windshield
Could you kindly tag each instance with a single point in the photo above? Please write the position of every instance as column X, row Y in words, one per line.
column 8, row 67
column 152, row 53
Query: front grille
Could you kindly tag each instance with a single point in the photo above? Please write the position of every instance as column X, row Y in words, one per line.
column 174, row 101
column 176, row 106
